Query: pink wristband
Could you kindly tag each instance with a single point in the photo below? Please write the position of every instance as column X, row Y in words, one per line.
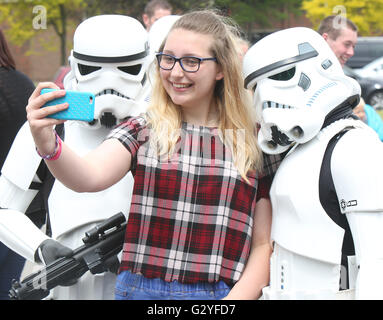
column 56, row 154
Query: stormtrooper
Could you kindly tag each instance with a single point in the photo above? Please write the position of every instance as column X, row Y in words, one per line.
column 110, row 58
column 157, row 34
column 327, row 193
column 159, row 31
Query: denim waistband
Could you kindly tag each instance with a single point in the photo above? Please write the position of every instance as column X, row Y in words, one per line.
column 171, row 289
column 138, row 280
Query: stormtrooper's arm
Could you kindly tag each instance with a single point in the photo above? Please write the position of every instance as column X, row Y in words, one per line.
column 366, row 228
column 17, row 231
column 357, row 171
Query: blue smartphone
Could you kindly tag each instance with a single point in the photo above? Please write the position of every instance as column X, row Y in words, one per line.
column 81, row 105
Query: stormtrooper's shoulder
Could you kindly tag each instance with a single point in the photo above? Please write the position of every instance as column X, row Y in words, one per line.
column 359, row 144
column 357, row 170
column 22, row 161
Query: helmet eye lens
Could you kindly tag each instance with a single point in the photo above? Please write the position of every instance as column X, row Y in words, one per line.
column 284, row 75
column 133, row 70
column 85, row 69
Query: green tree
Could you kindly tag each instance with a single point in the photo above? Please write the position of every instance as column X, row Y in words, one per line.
column 366, row 14
column 245, row 12
column 263, row 13
column 26, row 18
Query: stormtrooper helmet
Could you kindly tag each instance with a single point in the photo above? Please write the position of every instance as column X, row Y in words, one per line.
column 110, row 59
column 157, row 34
column 297, row 81
column 159, row 31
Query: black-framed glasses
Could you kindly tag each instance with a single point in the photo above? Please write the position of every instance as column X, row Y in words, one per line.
column 188, row 64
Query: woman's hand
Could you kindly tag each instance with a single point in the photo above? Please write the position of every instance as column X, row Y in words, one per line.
column 40, row 126
column 256, row 275
column 96, row 171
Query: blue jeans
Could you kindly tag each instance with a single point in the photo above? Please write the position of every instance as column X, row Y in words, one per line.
column 131, row 286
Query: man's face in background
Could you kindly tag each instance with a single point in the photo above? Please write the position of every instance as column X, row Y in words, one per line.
column 343, row 46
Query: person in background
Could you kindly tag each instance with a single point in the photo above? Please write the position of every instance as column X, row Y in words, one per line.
column 342, row 41
column 200, row 216
column 341, row 34
column 15, row 89
column 154, row 10
column 368, row 115
column 243, row 45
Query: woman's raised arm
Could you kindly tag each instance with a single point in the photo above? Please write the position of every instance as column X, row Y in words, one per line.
column 98, row 170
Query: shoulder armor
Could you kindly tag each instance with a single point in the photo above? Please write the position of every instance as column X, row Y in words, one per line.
column 16, row 169
column 357, row 171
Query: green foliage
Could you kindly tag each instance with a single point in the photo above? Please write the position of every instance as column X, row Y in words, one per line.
column 244, row 12
column 366, row 14
column 25, row 18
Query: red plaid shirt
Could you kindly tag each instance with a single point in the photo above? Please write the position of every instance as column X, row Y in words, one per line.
column 191, row 216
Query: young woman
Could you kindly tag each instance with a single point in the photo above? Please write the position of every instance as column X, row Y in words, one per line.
column 199, row 221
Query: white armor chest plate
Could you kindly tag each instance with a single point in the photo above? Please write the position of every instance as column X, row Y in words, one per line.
column 308, row 243
column 299, row 221
column 69, row 209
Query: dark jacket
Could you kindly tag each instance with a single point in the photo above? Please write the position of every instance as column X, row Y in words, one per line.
column 15, row 89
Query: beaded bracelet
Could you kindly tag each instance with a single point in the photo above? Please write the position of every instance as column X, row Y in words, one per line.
column 56, row 154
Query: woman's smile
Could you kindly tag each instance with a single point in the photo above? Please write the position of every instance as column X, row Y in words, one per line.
column 181, row 86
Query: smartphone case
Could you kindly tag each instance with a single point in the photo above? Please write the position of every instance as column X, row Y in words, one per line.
column 81, row 105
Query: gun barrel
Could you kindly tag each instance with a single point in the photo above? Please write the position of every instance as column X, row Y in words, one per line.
column 95, row 256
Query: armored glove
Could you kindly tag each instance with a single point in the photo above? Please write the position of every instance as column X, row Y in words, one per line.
column 51, row 250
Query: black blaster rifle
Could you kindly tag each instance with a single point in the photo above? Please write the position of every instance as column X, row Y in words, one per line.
column 98, row 254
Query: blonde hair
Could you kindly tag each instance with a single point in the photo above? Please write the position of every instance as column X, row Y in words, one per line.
column 237, row 123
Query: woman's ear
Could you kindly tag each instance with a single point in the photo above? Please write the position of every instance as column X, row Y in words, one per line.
column 219, row 75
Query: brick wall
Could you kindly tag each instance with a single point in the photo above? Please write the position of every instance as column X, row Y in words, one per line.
column 43, row 64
